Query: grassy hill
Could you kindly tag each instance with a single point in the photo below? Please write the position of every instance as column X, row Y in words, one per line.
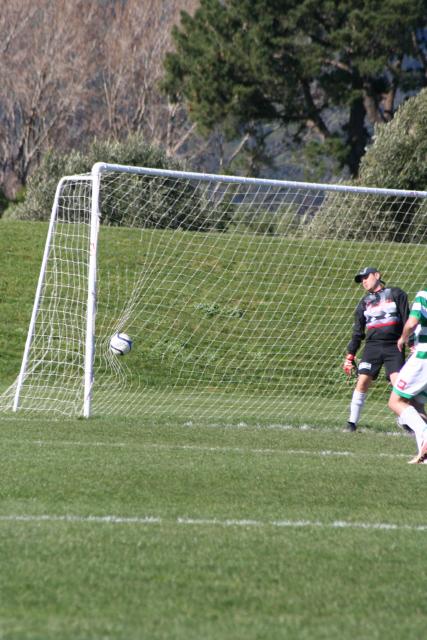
column 238, row 327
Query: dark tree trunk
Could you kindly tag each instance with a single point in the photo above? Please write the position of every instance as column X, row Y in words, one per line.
column 357, row 135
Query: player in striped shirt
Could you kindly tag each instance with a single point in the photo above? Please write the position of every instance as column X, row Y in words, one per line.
column 411, row 383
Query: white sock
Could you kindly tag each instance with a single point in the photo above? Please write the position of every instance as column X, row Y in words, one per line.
column 356, row 406
column 417, row 436
column 412, row 418
column 419, row 440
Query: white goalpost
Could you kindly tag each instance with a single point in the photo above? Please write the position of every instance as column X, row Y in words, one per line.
column 238, row 294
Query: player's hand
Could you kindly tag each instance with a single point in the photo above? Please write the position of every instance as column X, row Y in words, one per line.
column 400, row 344
column 349, row 364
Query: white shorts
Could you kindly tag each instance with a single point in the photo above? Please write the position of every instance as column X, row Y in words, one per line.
column 412, row 379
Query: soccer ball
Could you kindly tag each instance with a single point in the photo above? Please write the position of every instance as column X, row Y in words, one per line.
column 120, row 344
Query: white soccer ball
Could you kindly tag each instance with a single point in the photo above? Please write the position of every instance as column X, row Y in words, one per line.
column 120, row 344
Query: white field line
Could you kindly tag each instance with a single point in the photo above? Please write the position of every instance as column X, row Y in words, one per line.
column 210, row 522
column 239, row 426
column 203, row 448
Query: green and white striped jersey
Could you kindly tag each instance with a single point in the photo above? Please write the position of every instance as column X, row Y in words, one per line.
column 419, row 311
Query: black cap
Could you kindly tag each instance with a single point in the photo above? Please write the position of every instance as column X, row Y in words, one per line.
column 365, row 272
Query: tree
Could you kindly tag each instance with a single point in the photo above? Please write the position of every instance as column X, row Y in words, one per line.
column 125, row 199
column 137, row 35
column 54, row 164
column 73, row 70
column 395, row 160
column 397, row 157
column 44, row 46
column 326, row 71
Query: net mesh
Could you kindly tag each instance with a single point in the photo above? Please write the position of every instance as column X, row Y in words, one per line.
column 238, row 294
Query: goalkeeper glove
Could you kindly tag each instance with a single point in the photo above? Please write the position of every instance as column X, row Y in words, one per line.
column 349, row 364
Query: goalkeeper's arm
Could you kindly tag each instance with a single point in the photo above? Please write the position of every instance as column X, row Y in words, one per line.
column 358, row 335
column 358, row 330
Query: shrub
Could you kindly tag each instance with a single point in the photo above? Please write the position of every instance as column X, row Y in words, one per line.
column 4, row 202
column 395, row 160
column 42, row 184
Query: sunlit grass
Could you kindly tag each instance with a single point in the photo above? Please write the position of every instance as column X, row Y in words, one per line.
column 127, row 529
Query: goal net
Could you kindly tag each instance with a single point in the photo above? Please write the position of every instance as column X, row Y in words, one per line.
column 238, row 294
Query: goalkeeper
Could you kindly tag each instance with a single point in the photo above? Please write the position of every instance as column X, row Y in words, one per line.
column 378, row 319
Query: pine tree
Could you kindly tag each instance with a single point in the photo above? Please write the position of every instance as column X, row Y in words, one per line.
column 329, row 67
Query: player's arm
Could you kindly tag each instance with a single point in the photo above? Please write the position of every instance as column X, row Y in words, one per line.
column 357, row 336
column 410, row 325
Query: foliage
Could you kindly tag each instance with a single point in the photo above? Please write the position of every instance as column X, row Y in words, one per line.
column 10, row 204
column 147, row 201
column 394, row 219
column 125, row 199
column 397, row 157
column 240, row 62
column 395, row 160
column 4, row 202
column 156, row 202
column 54, row 165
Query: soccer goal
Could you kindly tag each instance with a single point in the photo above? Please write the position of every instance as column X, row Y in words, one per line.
column 238, row 295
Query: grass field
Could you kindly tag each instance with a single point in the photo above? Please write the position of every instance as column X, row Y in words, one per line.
column 129, row 529
column 213, row 515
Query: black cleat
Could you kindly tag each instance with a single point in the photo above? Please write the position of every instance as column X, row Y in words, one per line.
column 408, row 429
column 350, row 426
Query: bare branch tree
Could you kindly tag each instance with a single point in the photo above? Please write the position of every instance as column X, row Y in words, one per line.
column 72, row 70
column 132, row 67
column 45, row 49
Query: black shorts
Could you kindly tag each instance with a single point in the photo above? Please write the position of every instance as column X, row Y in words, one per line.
column 377, row 354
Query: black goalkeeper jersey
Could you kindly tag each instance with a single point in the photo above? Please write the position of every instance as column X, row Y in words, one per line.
column 379, row 316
